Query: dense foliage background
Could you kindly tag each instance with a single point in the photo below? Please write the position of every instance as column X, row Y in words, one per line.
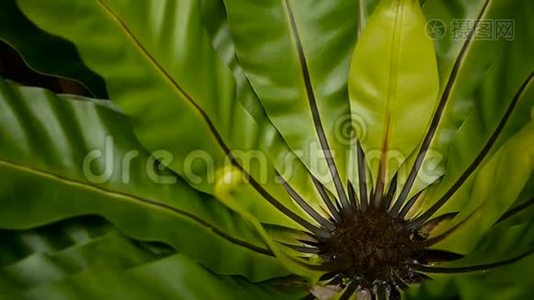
column 90, row 209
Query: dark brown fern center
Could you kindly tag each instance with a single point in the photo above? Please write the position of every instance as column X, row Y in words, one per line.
column 373, row 251
column 370, row 246
column 366, row 242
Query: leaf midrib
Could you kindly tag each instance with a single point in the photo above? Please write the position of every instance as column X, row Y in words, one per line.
column 392, row 86
column 220, row 141
column 132, row 198
column 312, row 102
column 437, row 116
column 161, row 70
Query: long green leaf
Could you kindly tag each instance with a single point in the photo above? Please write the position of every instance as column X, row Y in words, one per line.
column 479, row 77
column 496, row 80
column 496, row 187
column 111, row 250
column 393, row 78
column 194, row 115
column 429, row 162
column 494, row 85
column 53, row 252
column 289, row 165
column 18, row 244
column 91, row 259
column 46, row 146
column 300, row 82
column 175, row 277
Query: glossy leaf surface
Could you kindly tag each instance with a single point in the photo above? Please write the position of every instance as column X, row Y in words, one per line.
column 111, row 175
column 301, row 83
column 86, row 262
column 393, row 84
